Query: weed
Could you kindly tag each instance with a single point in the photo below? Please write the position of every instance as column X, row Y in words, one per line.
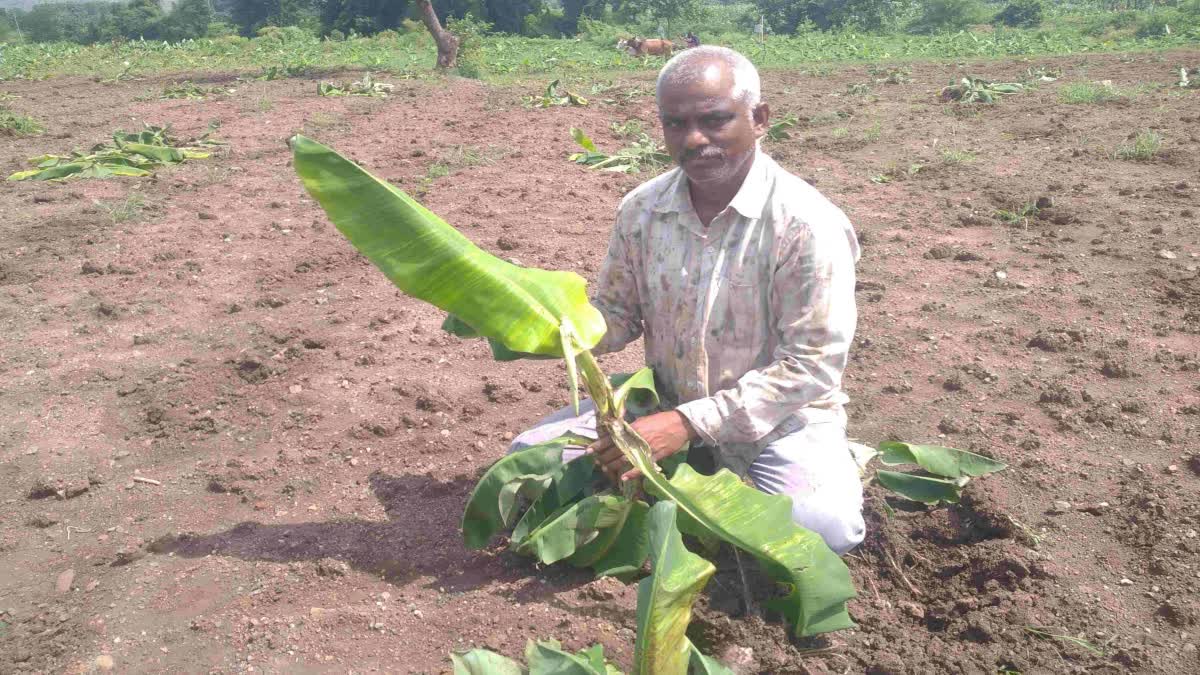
column 778, row 131
column 551, row 97
column 125, row 210
column 1040, row 74
column 184, row 90
column 629, row 129
column 840, row 132
column 896, row 172
column 1143, row 146
column 1018, row 216
column 1089, row 92
column 264, row 104
column 828, row 117
column 890, row 74
column 438, row 170
column 873, row 132
column 14, row 124
column 957, row 156
column 1041, row 632
column 858, row 89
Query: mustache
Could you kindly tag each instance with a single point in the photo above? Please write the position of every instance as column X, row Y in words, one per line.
column 707, row 152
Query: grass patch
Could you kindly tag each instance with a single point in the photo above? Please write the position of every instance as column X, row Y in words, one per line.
column 123, row 211
column 14, row 124
column 1078, row 93
column 1142, row 147
column 957, row 156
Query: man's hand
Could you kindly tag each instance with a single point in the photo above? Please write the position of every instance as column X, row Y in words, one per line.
column 665, row 432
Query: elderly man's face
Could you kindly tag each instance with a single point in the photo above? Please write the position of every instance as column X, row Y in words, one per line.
column 711, row 135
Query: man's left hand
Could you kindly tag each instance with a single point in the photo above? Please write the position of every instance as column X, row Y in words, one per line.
column 665, row 432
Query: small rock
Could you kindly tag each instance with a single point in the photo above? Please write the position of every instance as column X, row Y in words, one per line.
column 1044, row 202
column 316, row 613
column 104, row 662
column 1000, row 275
column 90, row 268
column 507, row 244
column 1174, row 468
column 912, row 609
column 205, row 215
column 42, row 521
column 330, row 567
column 63, row 585
column 1167, row 255
column 1061, row 506
column 1125, row 581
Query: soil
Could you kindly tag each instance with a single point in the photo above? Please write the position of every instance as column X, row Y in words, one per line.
column 228, row 444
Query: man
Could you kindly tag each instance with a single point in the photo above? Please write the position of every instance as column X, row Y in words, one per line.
column 691, row 40
column 741, row 278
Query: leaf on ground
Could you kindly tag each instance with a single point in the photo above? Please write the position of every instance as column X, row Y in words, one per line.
column 946, row 462
column 920, row 488
column 484, row 662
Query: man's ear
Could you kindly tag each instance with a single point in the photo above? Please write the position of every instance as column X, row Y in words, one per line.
column 762, row 118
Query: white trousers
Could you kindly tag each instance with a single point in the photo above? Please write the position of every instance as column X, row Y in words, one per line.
column 811, row 464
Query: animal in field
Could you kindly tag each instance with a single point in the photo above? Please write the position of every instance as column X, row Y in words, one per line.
column 636, row 46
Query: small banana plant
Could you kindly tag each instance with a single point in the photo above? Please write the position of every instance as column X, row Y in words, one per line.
column 553, row 510
column 979, row 90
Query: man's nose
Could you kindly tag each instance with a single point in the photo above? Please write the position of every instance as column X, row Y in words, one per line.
column 695, row 138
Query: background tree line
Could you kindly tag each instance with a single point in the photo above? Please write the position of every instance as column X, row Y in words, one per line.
column 89, row 22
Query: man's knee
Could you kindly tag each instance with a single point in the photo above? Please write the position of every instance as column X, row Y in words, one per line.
column 842, row 529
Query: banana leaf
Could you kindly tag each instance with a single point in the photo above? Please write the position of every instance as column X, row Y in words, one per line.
column 706, row 665
column 493, row 503
column 547, row 657
column 920, row 488
column 484, row 662
column 574, row 526
column 624, row 554
column 565, row 486
column 947, row 462
column 524, row 309
column 665, row 598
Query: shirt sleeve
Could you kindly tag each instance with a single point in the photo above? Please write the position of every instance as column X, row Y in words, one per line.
column 616, row 294
column 812, row 305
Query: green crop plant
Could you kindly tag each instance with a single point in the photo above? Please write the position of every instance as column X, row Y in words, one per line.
column 944, row 472
column 129, row 154
column 979, row 90
column 554, row 509
column 643, row 153
column 367, row 86
column 1018, row 216
column 1142, row 147
column 551, row 98
column 957, row 156
column 16, row 124
column 779, row 129
column 873, row 132
column 124, row 210
column 184, row 90
column 1089, row 92
column 627, row 129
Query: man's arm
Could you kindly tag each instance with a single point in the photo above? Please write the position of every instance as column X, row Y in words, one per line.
column 812, row 300
column 616, row 293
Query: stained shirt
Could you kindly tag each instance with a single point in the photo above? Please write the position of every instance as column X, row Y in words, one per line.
column 747, row 321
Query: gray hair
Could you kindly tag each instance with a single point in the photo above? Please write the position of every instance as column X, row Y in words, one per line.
column 689, row 65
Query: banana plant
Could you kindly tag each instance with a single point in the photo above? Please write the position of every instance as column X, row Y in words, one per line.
column 525, row 311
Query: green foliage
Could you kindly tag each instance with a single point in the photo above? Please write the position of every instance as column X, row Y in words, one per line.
column 545, row 657
column 367, row 86
column 129, row 154
column 551, row 98
column 957, row 156
column 947, row 471
column 979, row 90
column 778, row 130
column 939, row 16
column 470, row 31
column 786, row 16
column 627, row 129
column 188, row 19
column 125, row 210
column 643, row 153
column 1022, row 13
column 524, row 310
column 16, row 124
column 190, row 90
column 1142, row 147
column 1089, row 92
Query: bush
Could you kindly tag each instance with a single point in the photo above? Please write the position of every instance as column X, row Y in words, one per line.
column 601, row 33
column 470, row 32
column 941, row 16
column 286, row 34
column 1022, row 13
column 543, row 23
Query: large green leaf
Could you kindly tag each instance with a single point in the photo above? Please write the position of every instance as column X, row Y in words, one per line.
column 920, row 488
column 574, row 526
column 706, row 665
column 484, row 662
column 493, row 504
column 947, row 462
column 565, row 486
column 627, row 551
column 665, row 598
column 428, row 259
column 547, row 657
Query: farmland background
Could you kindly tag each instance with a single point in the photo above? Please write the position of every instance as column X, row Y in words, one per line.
column 228, row 445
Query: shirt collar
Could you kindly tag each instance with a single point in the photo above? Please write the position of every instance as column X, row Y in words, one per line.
column 749, row 201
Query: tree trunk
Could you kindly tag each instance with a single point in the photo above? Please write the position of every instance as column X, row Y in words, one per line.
column 447, row 42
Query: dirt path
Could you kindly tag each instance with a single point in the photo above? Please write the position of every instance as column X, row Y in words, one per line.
column 309, row 436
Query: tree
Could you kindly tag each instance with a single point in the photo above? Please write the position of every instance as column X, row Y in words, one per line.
column 785, row 16
column 362, row 16
column 667, row 10
column 447, row 42
column 188, row 19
